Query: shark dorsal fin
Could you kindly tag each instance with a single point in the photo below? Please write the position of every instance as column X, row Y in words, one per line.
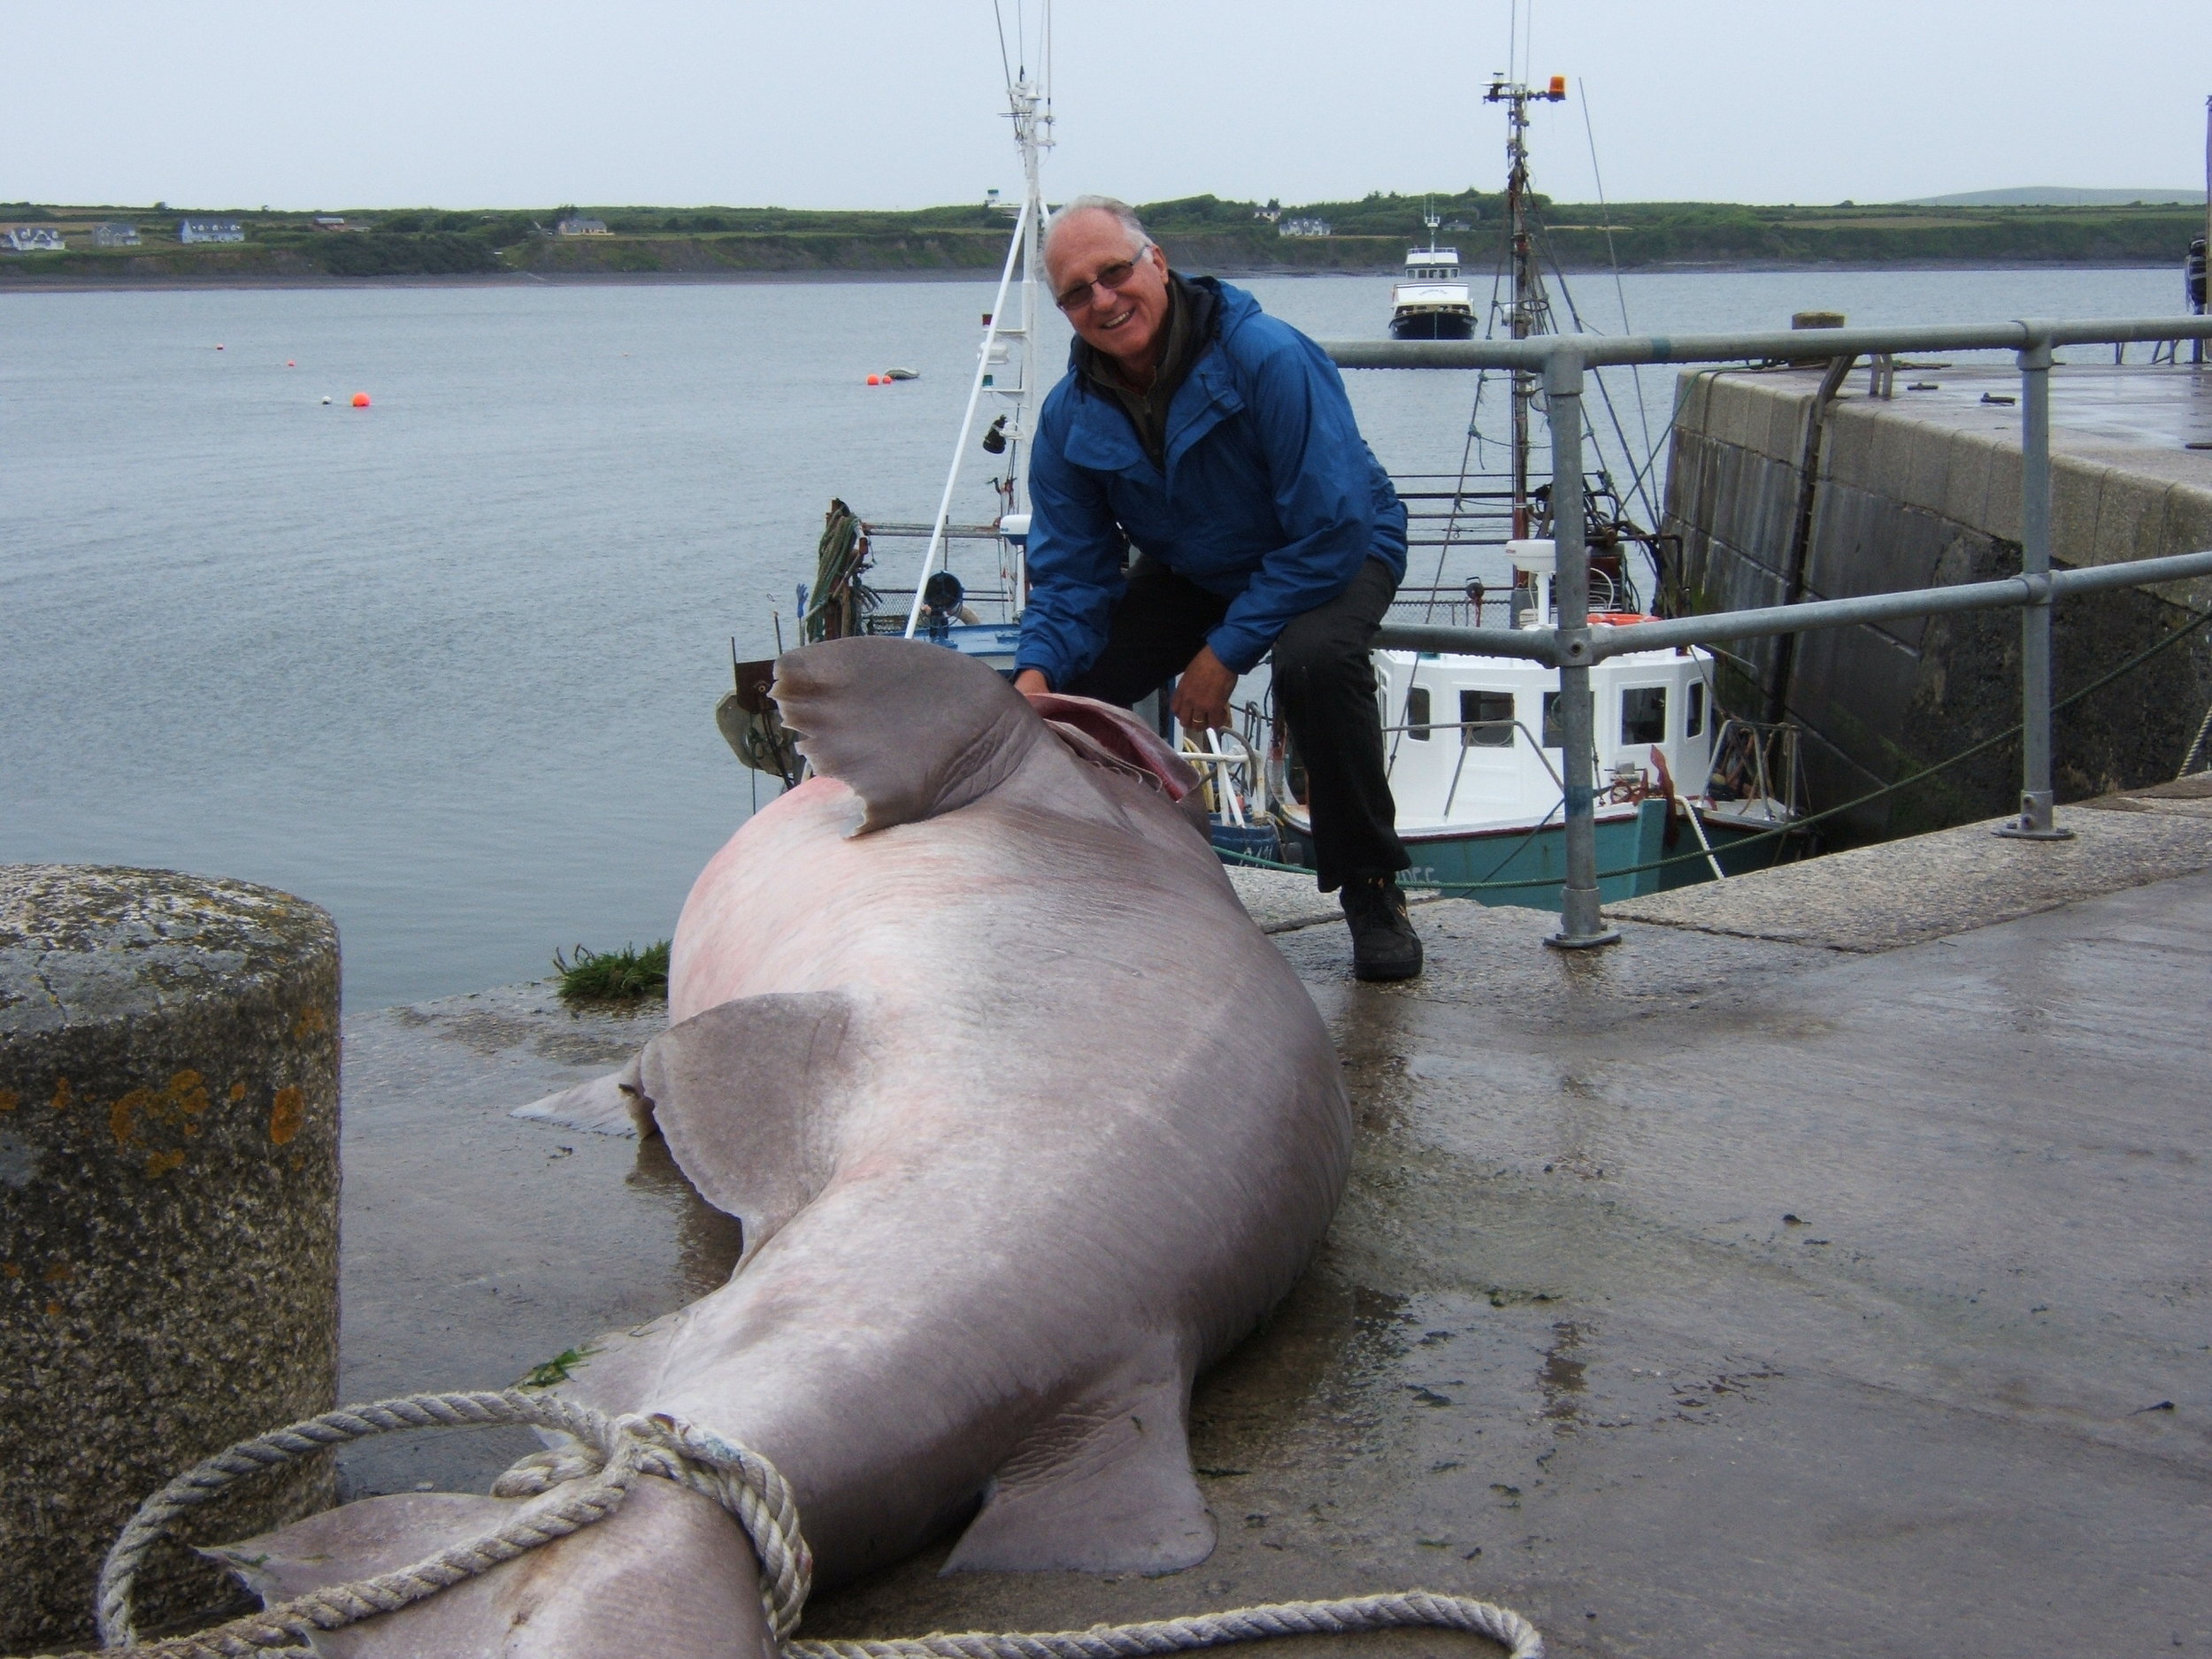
column 912, row 729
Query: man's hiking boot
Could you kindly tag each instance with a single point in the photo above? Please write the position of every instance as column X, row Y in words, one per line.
column 1383, row 944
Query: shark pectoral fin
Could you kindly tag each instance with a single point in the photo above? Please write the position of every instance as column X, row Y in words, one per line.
column 609, row 1105
column 1105, row 1486
column 749, row 1095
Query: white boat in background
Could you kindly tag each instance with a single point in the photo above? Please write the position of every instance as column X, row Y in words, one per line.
column 1430, row 302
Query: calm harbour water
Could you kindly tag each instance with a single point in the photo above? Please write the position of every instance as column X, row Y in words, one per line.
column 446, row 665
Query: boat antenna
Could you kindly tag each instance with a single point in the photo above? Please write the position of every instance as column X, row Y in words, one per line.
column 1620, row 289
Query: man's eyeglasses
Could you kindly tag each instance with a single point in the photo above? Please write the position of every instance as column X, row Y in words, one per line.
column 1112, row 276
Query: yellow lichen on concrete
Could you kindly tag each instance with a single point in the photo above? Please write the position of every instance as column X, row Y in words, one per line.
column 181, row 1102
column 126, row 1108
column 286, row 1114
column 160, row 1163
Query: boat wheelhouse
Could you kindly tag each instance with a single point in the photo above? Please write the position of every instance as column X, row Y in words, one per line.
column 1430, row 302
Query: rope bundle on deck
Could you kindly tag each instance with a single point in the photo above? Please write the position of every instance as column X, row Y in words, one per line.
column 587, row 1482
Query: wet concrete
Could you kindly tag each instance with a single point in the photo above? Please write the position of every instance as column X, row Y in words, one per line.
column 1708, row 1294
column 1925, row 887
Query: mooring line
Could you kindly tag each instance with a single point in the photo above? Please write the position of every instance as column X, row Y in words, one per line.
column 587, row 1482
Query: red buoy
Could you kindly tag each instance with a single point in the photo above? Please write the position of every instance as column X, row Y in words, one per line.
column 289, row 363
column 875, row 379
column 360, row 400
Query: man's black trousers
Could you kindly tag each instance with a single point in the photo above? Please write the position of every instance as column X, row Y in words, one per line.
column 1325, row 688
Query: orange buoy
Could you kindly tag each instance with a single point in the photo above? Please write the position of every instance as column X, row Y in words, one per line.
column 875, row 379
column 360, row 400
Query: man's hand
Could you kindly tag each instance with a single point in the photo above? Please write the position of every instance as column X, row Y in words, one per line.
column 1031, row 681
column 1202, row 695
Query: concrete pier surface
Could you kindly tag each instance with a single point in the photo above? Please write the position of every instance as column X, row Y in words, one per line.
column 1714, row 1294
column 1923, row 489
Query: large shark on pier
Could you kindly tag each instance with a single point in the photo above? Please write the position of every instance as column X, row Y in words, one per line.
column 1026, row 1123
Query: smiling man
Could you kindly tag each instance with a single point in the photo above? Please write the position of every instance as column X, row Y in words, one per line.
column 1202, row 496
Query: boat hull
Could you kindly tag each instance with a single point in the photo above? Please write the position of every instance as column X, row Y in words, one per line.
column 1538, row 858
column 1738, row 848
column 1432, row 326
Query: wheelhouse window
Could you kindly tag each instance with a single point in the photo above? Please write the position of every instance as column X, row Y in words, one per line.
column 1485, row 719
column 1695, row 726
column 1417, row 714
column 1644, row 714
column 1552, row 739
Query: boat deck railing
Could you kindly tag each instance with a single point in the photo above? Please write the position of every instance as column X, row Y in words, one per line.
column 1574, row 644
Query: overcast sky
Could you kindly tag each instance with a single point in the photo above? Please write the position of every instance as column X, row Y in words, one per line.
column 897, row 103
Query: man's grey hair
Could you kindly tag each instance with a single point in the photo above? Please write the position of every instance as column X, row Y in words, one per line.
column 1123, row 213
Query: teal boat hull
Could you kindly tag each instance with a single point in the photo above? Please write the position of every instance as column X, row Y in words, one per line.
column 1536, row 861
column 1737, row 851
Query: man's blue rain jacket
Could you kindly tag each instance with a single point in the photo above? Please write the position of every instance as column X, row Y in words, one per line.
column 1270, row 497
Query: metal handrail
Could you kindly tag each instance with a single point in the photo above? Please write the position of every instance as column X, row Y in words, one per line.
column 1768, row 344
column 1558, row 647
column 1574, row 645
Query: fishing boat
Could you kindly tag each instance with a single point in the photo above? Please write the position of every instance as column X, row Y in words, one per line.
column 1686, row 794
column 1430, row 302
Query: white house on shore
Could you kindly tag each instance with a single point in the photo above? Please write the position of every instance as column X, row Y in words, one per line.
column 1303, row 228
column 578, row 225
column 33, row 239
column 211, row 230
column 115, row 235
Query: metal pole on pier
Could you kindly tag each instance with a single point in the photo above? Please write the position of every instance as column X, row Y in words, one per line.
column 2196, row 347
column 2034, row 822
column 1581, row 926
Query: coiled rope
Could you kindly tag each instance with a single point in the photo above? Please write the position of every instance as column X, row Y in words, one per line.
column 587, row 1480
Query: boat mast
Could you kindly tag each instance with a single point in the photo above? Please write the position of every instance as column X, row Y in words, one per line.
column 1030, row 99
column 1530, row 313
column 1006, row 346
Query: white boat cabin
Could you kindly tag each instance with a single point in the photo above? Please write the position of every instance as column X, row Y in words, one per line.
column 1473, row 743
column 1431, row 264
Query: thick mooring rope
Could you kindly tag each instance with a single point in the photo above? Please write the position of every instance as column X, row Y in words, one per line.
column 587, row 1482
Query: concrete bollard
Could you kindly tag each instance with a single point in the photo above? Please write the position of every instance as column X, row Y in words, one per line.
column 168, row 1219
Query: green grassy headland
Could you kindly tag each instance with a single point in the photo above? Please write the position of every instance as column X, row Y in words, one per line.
column 1200, row 233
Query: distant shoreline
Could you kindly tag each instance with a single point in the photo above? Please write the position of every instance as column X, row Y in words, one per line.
column 10, row 285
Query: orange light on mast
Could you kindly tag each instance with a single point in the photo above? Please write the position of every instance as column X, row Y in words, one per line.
column 1558, row 89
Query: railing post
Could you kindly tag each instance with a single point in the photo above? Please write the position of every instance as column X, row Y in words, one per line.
column 2034, row 822
column 1581, row 926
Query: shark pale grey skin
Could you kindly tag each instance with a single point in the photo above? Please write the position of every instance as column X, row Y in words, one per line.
column 1026, row 1123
